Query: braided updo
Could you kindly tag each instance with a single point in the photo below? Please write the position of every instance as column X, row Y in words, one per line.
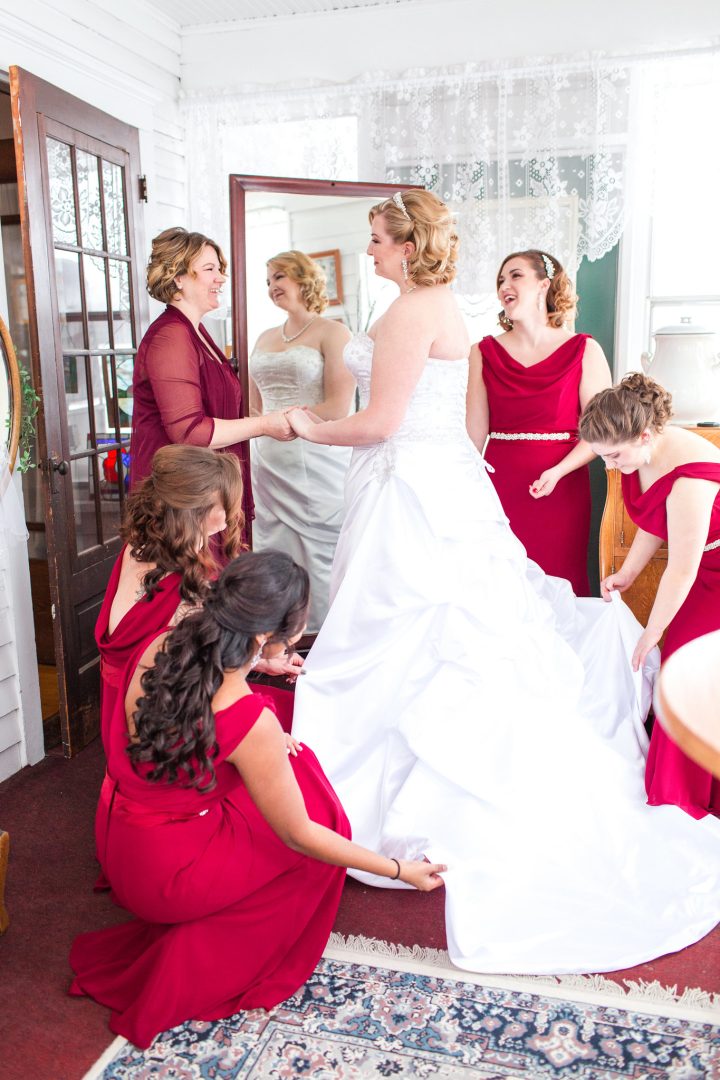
column 621, row 413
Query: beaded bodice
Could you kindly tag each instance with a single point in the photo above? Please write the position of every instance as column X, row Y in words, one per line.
column 436, row 410
column 292, row 377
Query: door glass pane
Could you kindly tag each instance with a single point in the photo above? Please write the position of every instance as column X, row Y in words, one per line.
column 102, row 384
column 114, row 208
column 124, row 378
column 67, row 275
column 83, row 483
column 62, row 199
column 110, row 502
column 76, row 398
column 96, row 300
column 89, row 200
column 120, row 296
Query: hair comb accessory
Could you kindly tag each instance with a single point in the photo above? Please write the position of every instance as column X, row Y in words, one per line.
column 398, row 200
column 548, row 264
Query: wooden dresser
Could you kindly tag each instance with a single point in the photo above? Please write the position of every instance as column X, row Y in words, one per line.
column 616, row 536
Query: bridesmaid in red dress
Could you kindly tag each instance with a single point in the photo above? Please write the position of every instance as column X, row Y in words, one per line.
column 184, row 388
column 165, row 570
column 671, row 488
column 168, row 561
column 226, row 840
column 526, row 391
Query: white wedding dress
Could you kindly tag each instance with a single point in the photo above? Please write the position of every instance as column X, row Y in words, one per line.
column 297, row 486
column 471, row 709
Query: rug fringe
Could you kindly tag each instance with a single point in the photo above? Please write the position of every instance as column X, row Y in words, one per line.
column 428, row 961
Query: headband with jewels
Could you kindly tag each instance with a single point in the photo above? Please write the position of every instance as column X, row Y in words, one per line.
column 547, row 263
column 398, row 200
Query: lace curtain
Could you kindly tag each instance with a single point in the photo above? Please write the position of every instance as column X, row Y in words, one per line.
column 532, row 156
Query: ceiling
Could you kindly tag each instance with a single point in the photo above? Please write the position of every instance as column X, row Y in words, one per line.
column 189, row 13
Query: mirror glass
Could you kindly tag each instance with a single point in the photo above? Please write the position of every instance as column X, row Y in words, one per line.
column 10, row 403
column 298, row 487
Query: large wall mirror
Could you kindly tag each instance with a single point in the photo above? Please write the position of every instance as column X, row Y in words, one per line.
column 297, row 486
column 10, row 400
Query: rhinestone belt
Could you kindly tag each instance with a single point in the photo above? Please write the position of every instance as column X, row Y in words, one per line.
column 533, row 436
column 712, row 546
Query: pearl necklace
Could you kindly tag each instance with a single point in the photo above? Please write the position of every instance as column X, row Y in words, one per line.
column 292, row 337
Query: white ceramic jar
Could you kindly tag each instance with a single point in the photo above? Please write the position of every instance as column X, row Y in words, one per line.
column 686, row 362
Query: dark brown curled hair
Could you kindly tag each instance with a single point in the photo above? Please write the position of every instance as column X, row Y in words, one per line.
column 257, row 593
column 622, row 412
column 166, row 516
column 561, row 299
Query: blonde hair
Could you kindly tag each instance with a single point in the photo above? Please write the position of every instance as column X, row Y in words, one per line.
column 561, row 299
column 621, row 413
column 173, row 250
column 306, row 273
column 429, row 225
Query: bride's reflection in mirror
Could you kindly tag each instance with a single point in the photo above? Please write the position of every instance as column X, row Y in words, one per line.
column 298, row 486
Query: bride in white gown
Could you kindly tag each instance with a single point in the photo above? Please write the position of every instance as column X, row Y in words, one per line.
column 464, row 705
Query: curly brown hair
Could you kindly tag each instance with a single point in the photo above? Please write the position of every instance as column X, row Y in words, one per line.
column 561, row 298
column 173, row 252
column 430, row 226
column 623, row 412
column 257, row 593
column 166, row 516
column 300, row 268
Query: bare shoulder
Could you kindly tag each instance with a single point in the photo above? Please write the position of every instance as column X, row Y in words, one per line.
column 689, row 446
column 593, row 352
column 268, row 338
column 334, row 334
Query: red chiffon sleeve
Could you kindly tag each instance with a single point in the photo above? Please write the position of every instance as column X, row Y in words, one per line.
column 172, row 368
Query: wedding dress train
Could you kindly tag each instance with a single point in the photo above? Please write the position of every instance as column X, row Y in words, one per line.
column 468, row 708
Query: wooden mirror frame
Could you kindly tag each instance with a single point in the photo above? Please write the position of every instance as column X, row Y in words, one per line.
column 285, row 185
column 14, row 394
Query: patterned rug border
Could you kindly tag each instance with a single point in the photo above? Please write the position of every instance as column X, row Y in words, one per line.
column 649, row 997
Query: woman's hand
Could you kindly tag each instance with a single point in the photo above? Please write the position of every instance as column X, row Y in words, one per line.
column 290, row 666
column 422, row 875
column 276, row 425
column 617, row 582
column 545, row 483
column 301, row 423
column 292, row 745
column 645, row 645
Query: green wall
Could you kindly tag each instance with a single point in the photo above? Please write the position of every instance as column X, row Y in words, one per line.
column 597, row 288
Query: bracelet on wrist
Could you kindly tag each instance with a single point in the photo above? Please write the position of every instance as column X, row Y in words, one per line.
column 395, row 877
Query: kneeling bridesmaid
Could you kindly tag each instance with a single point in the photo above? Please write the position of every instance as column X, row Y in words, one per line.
column 225, row 839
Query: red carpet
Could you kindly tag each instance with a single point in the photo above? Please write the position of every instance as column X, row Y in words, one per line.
column 48, row 811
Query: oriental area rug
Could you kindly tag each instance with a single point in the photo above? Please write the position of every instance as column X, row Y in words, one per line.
column 373, row 1010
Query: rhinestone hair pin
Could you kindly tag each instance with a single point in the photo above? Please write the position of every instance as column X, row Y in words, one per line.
column 547, row 263
column 398, row 200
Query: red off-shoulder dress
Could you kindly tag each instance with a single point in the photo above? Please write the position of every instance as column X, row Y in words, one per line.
column 670, row 775
column 227, row 917
column 541, row 399
column 146, row 616
column 181, row 384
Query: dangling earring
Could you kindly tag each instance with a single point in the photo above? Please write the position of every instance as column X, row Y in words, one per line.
column 541, row 302
column 404, row 265
column 647, row 456
column 258, row 655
